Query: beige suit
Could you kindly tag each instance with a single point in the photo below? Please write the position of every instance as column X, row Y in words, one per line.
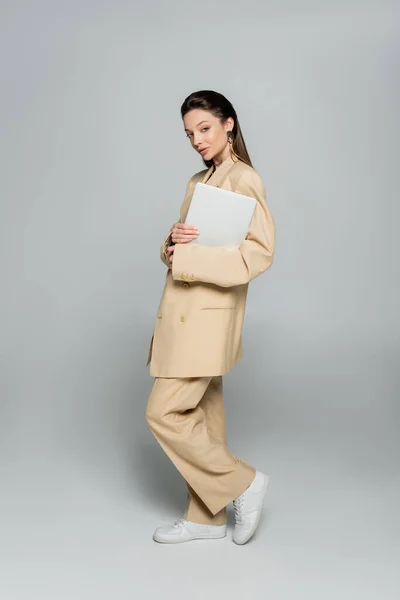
column 198, row 329
column 197, row 339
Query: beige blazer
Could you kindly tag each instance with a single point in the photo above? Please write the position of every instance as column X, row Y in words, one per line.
column 198, row 329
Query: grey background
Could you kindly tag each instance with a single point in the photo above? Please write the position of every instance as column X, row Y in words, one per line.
column 94, row 163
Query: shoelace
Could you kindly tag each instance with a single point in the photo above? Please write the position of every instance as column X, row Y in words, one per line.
column 180, row 523
column 238, row 506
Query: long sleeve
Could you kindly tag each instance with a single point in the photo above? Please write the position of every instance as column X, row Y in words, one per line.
column 163, row 250
column 228, row 267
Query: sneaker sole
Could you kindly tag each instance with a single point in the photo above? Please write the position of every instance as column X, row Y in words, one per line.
column 200, row 536
column 256, row 522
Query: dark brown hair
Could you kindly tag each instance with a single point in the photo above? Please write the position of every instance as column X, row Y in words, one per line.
column 221, row 108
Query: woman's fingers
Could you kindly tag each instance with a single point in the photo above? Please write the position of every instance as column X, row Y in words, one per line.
column 183, row 233
column 185, row 227
column 170, row 252
column 185, row 240
column 182, row 228
column 182, row 239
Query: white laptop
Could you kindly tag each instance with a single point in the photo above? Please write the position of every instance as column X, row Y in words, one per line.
column 221, row 216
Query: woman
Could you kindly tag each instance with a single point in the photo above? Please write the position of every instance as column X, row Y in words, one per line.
column 198, row 335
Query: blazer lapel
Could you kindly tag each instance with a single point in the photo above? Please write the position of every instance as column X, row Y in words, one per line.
column 220, row 172
column 207, row 174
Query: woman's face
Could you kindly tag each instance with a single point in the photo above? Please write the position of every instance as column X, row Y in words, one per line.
column 207, row 134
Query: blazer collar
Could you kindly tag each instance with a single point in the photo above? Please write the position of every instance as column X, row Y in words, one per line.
column 220, row 172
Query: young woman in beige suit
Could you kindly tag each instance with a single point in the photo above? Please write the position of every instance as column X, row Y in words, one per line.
column 197, row 336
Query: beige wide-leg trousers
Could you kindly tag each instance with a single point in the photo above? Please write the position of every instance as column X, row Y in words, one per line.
column 187, row 418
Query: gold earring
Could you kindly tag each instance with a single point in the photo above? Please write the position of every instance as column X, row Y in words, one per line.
column 230, row 140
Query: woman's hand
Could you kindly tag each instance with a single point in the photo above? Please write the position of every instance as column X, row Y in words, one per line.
column 170, row 253
column 181, row 234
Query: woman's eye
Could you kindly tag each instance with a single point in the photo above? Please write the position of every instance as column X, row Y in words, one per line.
column 188, row 135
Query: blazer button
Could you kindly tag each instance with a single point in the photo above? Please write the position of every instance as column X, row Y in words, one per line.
column 182, row 319
column 185, row 285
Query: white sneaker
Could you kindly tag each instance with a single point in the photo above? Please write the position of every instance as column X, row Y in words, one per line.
column 184, row 531
column 248, row 509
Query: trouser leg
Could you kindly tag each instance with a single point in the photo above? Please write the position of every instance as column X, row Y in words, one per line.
column 178, row 422
column 212, row 404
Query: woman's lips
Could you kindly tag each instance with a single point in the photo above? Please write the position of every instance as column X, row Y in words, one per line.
column 204, row 151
